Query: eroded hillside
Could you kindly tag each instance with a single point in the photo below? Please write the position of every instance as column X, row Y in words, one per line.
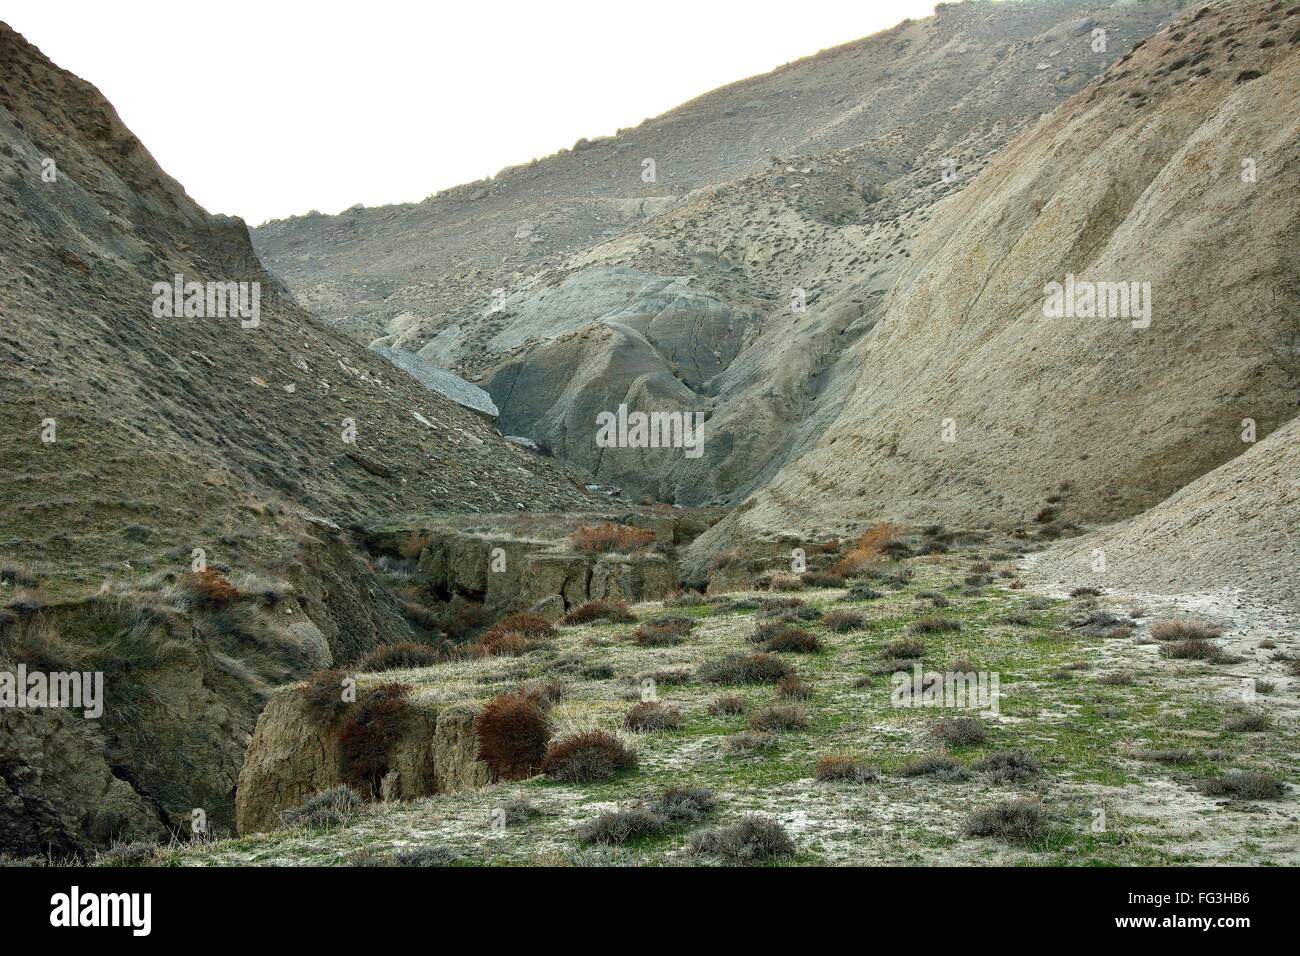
column 732, row 285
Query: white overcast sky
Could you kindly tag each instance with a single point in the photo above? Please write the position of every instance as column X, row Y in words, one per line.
column 266, row 109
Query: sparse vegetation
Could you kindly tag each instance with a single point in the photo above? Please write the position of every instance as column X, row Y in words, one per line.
column 1015, row 821
column 755, row 839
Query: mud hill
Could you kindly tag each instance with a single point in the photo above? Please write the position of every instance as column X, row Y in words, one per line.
column 1236, row 529
column 1178, row 167
column 138, row 449
column 571, row 285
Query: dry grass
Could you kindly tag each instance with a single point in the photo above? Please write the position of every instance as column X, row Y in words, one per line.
column 615, row 612
column 867, row 548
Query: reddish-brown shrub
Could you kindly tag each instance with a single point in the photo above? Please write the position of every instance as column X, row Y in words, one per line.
column 586, row 757
column 322, row 695
column 527, row 624
column 598, row 610
column 609, row 537
column 497, row 643
column 794, row 640
column 663, row 631
column 368, row 732
column 867, row 548
column 388, row 657
column 209, row 587
column 512, row 736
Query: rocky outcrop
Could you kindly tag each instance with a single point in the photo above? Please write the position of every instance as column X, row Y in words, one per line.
column 292, row 756
column 463, row 393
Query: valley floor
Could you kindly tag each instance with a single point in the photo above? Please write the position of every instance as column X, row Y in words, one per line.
column 1122, row 758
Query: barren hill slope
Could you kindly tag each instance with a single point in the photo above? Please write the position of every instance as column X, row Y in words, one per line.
column 138, row 449
column 571, row 285
column 165, row 426
column 1236, row 529
column 1178, row 168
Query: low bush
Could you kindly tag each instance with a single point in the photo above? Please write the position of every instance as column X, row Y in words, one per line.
column 794, row 640
column 615, row 827
column 755, row 839
column 834, row 767
column 960, row 731
column 333, row 807
column 367, row 734
column 586, row 757
column 513, row 733
column 935, row 624
column 390, row 657
column 842, row 622
column 1008, row 766
column 939, row 766
column 599, row 610
column 761, row 668
column 1015, row 821
column 728, row 705
column 1243, row 784
column 651, row 715
column 775, row 717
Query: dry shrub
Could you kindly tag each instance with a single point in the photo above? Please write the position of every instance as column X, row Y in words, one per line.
column 904, row 648
column 841, row 622
column 499, row 643
column 939, row 766
column 749, row 743
column 774, row 717
column 868, row 548
column 754, row 839
column 794, row 688
column 831, row 767
column 690, row 598
column 960, row 731
column 745, row 669
column 1245, row 785
column 794, row 640
column 333, row 807
column 1015, row 821
column 728, row 705
column 609, row 538
column 785, row 581
column 388, row 657
column 686, row 805
column 368, row 732
column 615, row 827
column 1184, row 629
column 830, row 546
column 935, row 624
column 663, row 631
column 586, row 757
column 1008, row 766
column 530, row 625
column 651, row 715
column 1117, row 678
column 823, row 579
column 599, row 610
column 208, row 588
column 1194, row 648
column 1249, row 722
column 322, row 696
column 513, row 734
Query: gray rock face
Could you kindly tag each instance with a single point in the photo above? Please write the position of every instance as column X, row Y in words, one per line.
column 440, row 380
